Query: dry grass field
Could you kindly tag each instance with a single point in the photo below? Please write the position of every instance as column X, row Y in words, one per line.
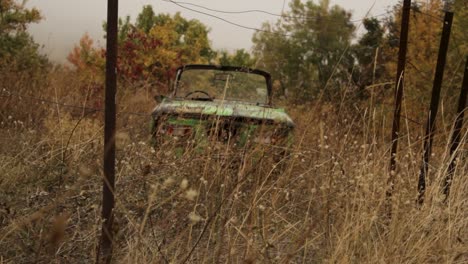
column 325, row 203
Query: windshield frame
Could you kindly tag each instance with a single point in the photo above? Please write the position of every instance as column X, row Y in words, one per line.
column 265, row 74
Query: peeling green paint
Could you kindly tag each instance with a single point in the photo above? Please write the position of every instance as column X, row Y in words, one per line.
column 224, row 109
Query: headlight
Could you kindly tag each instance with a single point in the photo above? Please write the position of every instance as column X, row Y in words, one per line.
column 176, row 131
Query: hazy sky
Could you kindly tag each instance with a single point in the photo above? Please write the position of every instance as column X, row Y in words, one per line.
column 67, row 20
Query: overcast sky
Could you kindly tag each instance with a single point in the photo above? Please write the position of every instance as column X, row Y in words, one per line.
column 67, row 20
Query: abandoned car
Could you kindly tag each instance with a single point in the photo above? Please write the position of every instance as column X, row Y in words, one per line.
column 223, row 104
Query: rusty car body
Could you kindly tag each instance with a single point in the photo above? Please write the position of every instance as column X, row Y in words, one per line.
column 222, row 104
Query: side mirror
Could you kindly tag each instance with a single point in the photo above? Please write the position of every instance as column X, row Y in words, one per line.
column 159, row 98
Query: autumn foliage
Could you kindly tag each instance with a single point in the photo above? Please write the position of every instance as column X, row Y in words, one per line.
column 150, row 50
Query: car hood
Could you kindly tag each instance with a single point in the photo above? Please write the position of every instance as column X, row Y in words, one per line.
column 225, row 109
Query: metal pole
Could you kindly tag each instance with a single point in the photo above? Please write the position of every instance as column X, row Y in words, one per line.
column 434, row 107
column 105, row 251
column 399, row 87
column 456, row 136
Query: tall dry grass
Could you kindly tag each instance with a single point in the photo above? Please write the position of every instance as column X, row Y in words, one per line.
column 325, row 203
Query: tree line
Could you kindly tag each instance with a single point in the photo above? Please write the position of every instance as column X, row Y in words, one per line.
column 314, row 50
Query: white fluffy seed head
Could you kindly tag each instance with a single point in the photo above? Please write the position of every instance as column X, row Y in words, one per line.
column 191, row 194
column 184, row 184
column 194, row 217
column 168, row 182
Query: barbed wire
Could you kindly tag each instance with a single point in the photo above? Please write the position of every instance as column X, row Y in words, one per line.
column 183, row 5
column 227, row 21
column 179, row 3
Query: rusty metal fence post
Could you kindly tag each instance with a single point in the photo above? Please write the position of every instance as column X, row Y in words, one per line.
column 434, row 107
column 399, row 87
column 108, row 200
column 456, row 136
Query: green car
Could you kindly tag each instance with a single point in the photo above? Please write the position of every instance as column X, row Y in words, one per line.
column 220, row 105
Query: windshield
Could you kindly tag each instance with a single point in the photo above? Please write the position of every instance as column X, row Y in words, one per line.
column 213, row 84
